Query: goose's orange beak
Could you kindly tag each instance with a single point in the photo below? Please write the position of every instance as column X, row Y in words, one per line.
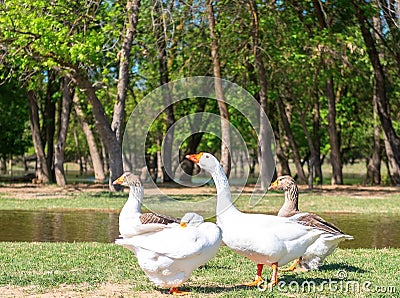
column 194, row 157
column 273, row 185
column 183, row 224
column 119, row 180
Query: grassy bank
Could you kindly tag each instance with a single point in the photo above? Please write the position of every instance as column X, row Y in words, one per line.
column 88, row 269
column 269, row 203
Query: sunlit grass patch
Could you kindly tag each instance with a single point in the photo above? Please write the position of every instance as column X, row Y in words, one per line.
column 87, row 267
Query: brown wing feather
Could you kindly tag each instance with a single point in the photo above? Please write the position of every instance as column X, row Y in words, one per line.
column 313, row 220
column 147, row 218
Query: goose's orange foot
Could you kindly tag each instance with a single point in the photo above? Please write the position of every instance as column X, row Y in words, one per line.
column 274, row 278
column 293, row 266
column 175, row 291
column 301, row 269
column 254, row 283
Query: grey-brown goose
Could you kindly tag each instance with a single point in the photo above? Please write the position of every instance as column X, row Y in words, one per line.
column 131, row 219
column 326, row 243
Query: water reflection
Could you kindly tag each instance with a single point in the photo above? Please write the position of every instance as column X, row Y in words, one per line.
column 369, row 231
column 58, row 226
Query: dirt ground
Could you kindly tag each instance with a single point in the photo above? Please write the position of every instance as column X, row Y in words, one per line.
column 104, row 290
column 30, row 190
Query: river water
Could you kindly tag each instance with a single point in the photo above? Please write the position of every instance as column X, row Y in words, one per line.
column 369, row 231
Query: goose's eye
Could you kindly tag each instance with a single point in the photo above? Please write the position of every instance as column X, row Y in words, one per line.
column 207, row 156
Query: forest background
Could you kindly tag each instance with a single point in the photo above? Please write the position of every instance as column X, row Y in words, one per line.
column 326, row 74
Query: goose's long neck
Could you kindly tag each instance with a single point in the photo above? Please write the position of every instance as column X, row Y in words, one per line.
column 291, row 203
column 134, row 203
column 224, row 201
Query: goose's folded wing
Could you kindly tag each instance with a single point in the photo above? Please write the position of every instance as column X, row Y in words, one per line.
column 177, row 243
column 149, row 218
column 149, row 228
column 315, row 221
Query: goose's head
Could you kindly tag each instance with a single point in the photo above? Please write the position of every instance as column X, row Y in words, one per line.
column 206, row 161
column 128, row 179
column 282, row 183
column 191, row 219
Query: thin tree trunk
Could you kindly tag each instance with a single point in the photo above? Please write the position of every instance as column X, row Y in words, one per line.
column 132, row 8
column 316, row 137
column 78, row 150
column 293, row 145
column 42, row 171
column 392, row 166
column 104, row 157
column 223, row 109
column 374, row 165
column 94, row 152
column 187, row 166
column 194, row 140
column 336, row 162
column 3, row 165
column 383, row 106
column 49, row 122
column 334, row 140
column 164, row 79
column 312, row 150
column 62, row 133
column 283, row 161
column 103, row 127
column 265, row 176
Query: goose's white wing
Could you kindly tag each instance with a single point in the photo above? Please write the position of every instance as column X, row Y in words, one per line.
column 140, row 229
column 177, row 242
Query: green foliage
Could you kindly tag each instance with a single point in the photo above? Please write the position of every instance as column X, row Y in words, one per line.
column 14, row 120
column 36, row 37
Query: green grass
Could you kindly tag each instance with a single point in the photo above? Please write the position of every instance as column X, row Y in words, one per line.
column 43, row 267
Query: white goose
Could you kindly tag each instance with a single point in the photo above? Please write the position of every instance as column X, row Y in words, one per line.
column 168, row 257
column 264, row 239
column 325, row 244
column 131, row 220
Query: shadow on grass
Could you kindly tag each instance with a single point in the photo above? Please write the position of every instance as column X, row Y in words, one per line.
column 341, row 267
column 217, row 289
column 289, row 278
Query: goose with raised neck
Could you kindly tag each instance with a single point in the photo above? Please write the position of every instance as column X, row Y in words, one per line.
column 325, row 244
column 264, row 239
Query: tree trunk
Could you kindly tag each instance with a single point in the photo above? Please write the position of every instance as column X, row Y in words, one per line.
column 42, row 171
column 103, row 127
column 313, row 154
column 374, row 165
column 265, row 177
column 94, row 152
column 3, row 165
column 392, row 166
column 223, row 109
column 132, row 8
column 283, row 161
column 62, row 133
column 164, row 79
column 317, row 163
column 289, row 135
column 104, row 157
column 337, row 175
column 187, row 166
column 383, row 106
column 49, row 122
column 194, row 140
